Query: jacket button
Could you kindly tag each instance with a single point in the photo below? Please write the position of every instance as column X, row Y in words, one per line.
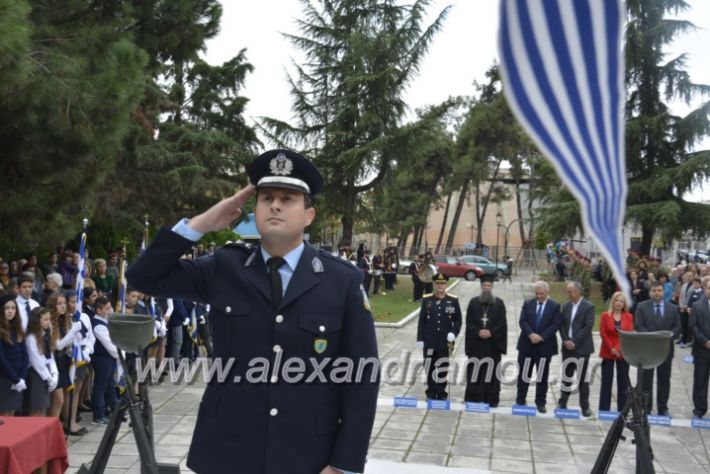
column 228, row 309
column 273, row 412
column 277, row 348
column 321, row 328
column 279, row 318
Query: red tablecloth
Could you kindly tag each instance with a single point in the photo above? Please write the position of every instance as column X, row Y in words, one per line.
column 27, row 443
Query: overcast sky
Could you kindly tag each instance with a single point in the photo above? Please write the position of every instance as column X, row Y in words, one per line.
column 460, row 54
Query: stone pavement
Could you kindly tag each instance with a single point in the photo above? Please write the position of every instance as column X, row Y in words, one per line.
column 417, row 440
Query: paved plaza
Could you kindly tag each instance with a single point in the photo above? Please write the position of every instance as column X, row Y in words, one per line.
column 417, row 440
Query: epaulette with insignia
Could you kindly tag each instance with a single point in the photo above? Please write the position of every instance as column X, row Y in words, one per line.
column 236, row 245
column 452, row 296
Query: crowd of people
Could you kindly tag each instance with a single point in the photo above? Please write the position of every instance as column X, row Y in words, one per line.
column 677, row 300
column 55, row 361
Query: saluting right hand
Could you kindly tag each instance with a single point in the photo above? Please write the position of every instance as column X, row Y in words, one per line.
column 222, row 214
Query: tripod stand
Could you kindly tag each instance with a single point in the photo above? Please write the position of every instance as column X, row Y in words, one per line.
column 642, row 350
column 638, row 423
column 131, row 333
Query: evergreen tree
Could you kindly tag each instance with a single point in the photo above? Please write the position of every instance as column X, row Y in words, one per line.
column 348, row 95
column 70, row 83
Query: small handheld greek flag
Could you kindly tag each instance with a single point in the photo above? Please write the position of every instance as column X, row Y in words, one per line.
column 563, row 75
column 77, row 354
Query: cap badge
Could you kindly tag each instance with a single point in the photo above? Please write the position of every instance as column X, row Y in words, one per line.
column 281, row 165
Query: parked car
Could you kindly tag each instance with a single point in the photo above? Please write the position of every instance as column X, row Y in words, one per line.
column 488, row 267
column 454, row 267
column 404, row 264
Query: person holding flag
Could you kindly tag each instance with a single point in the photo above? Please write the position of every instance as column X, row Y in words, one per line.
column 82, row 345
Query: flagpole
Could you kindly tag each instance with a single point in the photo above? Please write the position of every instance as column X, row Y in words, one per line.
column 77, row 354
column 121, row 299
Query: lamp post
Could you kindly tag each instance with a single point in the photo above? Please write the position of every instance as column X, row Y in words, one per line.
column 499, row 219
column 470, row 226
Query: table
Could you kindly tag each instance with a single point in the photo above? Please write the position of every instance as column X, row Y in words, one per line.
column 28, row 443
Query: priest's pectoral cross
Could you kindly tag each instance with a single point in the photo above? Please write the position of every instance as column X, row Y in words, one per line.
column 485, row 319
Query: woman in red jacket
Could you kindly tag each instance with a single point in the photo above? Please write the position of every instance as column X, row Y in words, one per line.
column 617, row 318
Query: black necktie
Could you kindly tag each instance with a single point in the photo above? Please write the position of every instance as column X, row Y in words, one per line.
column 27, row 308
column 658, row 311
column 275, row 276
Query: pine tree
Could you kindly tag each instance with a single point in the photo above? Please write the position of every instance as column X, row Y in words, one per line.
column 348, row 95
column 74, row 78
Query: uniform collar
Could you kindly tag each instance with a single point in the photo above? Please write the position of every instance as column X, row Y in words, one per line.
column 292, row 258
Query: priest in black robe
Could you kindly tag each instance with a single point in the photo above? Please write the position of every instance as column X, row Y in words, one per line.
column 486, row 342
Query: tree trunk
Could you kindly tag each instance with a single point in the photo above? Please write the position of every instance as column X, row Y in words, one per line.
column 179, row 89
column 457, row 215
column 519, row 209
column 415, row 240
column 443, row 223
column 348, row 212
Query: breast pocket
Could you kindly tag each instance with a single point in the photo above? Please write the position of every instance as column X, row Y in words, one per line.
column 320, row 331
column 231, row 320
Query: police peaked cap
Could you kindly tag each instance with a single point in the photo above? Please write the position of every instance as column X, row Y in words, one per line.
column 440, row 278
column 285, row 169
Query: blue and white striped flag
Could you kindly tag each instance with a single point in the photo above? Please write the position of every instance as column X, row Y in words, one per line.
column 562, row 67
column 78, row 358
column 122, row 286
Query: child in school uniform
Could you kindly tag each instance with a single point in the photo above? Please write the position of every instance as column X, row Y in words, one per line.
column 85, row 340
column 43, row 374
column 63, row 333
column 13, row 357
column 104, row 362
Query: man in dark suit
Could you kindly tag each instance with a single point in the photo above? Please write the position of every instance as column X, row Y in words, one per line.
column 657, row 315
column 577, row 344
column 540, row 319
column 287, row 320
column 700, row 328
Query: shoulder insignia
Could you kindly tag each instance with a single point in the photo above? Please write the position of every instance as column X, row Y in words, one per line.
column 317, row 265
column 452, row 296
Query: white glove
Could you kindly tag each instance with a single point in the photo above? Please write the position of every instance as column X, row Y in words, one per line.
column 202, row 319
column 52, row 383
column 420, row 344
column 185, row 322
column 19, row 386
column 451, row 337
column 75, row 327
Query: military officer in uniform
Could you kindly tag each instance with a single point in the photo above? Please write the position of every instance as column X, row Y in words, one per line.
column 439, row 324
column 282, row 302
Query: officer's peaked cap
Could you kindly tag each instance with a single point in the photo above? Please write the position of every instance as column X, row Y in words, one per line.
column 282, row 168
column 440, row 278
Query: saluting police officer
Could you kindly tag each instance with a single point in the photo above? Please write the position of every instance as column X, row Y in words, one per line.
column 283, row 302
column 439, row 324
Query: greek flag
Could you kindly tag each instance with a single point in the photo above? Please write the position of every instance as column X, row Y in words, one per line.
column 123, row 285
column 563, row 75
column 77, row 354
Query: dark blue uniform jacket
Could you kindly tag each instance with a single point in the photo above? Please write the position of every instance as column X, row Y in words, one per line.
column 271, row 425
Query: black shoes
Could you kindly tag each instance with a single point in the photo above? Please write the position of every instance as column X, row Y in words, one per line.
column 586, row 412
column 541, row 409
